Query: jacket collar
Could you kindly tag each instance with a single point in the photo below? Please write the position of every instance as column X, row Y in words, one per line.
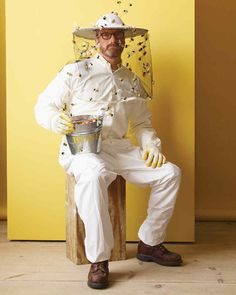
column 105, row 63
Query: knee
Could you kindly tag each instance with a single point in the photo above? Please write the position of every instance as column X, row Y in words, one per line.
column 176, row 172
column 93, row 172
column 96, row 174
column 88, row 167
column 173, row 173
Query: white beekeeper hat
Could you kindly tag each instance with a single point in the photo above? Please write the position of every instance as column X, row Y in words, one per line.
column 108, row 21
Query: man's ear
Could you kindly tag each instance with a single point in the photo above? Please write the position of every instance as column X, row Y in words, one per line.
column 97, row 43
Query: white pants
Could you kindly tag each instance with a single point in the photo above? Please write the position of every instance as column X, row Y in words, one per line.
column 94, row 173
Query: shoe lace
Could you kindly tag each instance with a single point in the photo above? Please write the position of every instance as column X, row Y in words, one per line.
column 102, row 266
column 162, row 248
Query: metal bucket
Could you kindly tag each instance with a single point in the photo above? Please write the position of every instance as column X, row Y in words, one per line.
column 86, row 137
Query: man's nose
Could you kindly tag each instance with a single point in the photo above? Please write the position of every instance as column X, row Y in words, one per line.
column 113, row 38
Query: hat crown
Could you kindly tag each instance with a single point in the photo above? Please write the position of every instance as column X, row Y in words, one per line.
column 110, row 20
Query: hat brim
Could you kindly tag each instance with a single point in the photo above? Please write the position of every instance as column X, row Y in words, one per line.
column 90, row 33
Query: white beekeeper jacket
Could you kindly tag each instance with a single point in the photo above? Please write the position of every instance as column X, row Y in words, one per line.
column 91, row 87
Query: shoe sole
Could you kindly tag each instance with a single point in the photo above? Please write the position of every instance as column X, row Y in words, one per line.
column 97, row 285
column 148, row 258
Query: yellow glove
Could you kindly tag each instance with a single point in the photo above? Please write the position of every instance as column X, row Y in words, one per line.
column 63, row 124
column 153, row 157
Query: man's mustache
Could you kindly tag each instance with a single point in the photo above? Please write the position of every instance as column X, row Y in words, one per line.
column 116, row 45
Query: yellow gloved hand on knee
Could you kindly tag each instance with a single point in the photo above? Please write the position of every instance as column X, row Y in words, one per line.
column 153, row 157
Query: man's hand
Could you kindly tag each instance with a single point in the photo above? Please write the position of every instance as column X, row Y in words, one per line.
column 153, row 157
column 63, row 124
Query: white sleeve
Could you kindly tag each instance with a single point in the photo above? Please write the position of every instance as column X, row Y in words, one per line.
column 54, row 98
column 141, row 126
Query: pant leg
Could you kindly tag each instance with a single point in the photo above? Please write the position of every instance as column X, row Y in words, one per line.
column 164, row 182
column 93, row 176
column 160, row 206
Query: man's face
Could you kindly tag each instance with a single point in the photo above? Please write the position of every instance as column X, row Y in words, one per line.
column 110, row 42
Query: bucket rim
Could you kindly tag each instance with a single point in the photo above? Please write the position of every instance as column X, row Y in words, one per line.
column 86, row 117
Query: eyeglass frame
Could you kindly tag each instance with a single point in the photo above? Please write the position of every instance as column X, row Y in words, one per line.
column 115, row 34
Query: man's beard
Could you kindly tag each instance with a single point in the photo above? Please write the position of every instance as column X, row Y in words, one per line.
column 112, row 50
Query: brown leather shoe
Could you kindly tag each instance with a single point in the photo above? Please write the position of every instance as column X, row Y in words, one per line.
column 98, row 275
column 158, row 254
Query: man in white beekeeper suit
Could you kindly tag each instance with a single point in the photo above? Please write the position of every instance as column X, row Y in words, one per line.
column 85, row 88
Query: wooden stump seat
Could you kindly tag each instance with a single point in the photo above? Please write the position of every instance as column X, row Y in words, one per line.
column 75, row 228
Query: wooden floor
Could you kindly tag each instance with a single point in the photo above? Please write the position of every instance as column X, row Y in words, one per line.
column 40, row 268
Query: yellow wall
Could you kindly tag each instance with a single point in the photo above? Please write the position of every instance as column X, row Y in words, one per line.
column 215, row 109
column 3, row 186
column 38, row 44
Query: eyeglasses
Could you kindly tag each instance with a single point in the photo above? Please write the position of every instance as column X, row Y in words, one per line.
column 107, row 35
